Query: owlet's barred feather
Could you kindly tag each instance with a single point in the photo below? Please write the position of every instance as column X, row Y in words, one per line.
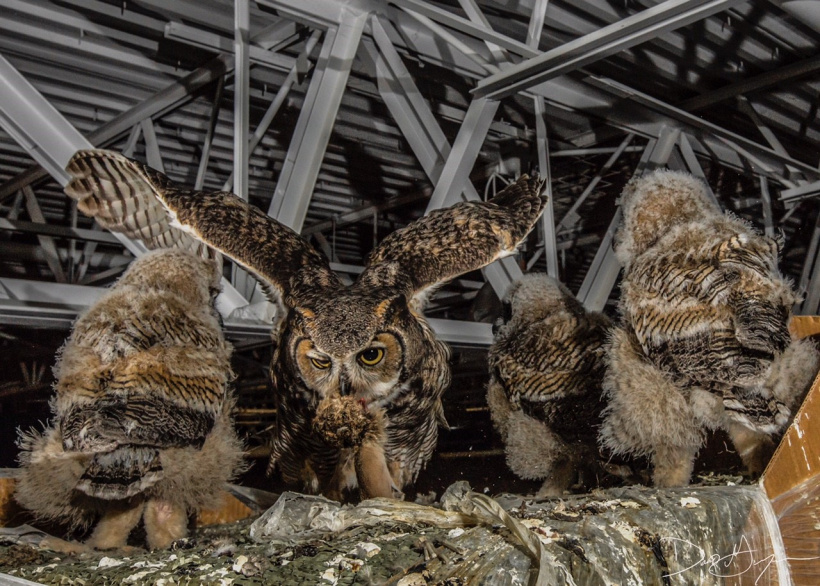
column 142, row 423
column 546, row 369
column 363, row 353
column 704, row 342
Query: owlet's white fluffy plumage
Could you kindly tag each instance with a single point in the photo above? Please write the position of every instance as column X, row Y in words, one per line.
column 704, row 342
column 546, row 369
column 357, row 372
column 142, row 425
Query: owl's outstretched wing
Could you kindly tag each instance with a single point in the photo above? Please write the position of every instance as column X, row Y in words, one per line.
column 129, row 197
column 455, row 240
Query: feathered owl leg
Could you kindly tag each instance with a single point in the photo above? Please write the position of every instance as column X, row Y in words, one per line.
column 116, row 524
column 563, row 473
column 647, row 415
column 672, row 465
column 372, row 472
column 754, row 447
column 534, row 452
column 165, row 522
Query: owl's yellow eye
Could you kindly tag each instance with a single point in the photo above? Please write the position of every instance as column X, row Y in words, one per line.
column 371, row 356
column 320, row 363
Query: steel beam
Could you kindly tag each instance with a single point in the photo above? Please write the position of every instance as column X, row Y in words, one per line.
column 57, row 231
column 315, row 13
column 548, row 216
column 362, row 213
column 594, row 93
column 603, row 273
column 57, row 307
column 455, row 22
column 798, row 193
column 811, row 267
column 35, row 124
column 278, row 100
column 39, row 128
column 214, row 42
column 152, row 152
column 691, row 161
column 33, row 304
column 754, row 84
column 572, row 217
column 766, row 201
column 46, row 242
column 811, row 304
column 770, row 161
column 205, row 154
column 241, row 104
column 454, row 42
column 630, row 31
column 406, row 104
column 78, row 43
column 167, row 99
column 475, row 15
column 307, row 148
column 424, row 135
column 455, row 174
column 536, row 26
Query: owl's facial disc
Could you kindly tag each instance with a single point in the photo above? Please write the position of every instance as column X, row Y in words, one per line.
column 369, row 373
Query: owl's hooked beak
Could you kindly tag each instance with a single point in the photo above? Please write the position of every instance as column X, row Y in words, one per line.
column 344, row 385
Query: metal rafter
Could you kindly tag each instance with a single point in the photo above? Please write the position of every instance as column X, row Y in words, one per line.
column 572, row 217
column 611, row 39
column 241, row 105
column 209, row 135
column 167, row 99
column 300, row 67
column 48, row 137
column 603, row 273
column 714, row 137
column 307, row 148
column 46, row 242
column 455, row 175
column 548, row 216
column 214, row 42
column 426, row 137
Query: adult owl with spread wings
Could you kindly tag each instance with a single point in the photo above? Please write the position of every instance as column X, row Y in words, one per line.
column 357, row 373
column 704, row 342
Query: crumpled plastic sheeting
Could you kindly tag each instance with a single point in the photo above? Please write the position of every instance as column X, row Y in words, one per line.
column 627, row 536
column 296, row 517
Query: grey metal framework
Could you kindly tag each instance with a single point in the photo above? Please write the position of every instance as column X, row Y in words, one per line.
column 347, row 120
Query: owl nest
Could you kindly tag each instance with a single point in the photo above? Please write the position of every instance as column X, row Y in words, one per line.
column 633, row 535
column 346, row 422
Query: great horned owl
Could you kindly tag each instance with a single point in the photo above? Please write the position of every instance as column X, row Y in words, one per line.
column 704, row 342
column 357, row 372
column 142, row 425
column 546, row 369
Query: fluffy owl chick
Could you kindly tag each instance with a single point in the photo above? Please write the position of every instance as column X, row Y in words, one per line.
column 704, row 342
column 546, row 368
column 142, row 426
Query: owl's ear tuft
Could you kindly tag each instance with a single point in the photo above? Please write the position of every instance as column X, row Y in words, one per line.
column 390, row 306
